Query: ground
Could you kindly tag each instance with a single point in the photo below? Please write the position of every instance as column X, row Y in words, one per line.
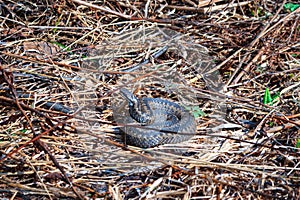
column 235, row 65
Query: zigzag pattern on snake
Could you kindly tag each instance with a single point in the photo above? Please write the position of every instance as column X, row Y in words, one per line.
column 155, row 121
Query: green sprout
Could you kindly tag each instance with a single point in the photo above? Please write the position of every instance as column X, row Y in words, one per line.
column 270, row 100
column 196, row 111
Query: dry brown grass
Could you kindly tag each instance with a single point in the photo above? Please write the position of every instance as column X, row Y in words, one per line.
column 49, row 53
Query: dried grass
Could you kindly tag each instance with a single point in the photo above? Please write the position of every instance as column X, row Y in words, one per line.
column 243, row 148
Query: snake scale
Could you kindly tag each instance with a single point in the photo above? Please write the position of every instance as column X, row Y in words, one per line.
column 154, row 121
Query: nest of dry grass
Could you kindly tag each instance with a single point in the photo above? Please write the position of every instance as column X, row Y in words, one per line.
column 58, row 136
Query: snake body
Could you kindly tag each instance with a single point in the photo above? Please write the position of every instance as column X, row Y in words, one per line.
column 154, row 121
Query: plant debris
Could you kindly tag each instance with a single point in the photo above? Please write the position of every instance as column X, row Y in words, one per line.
column 62, row 64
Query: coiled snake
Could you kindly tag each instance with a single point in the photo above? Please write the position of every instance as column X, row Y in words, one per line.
column 153, row 121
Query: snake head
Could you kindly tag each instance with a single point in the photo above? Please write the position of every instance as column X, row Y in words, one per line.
column 135, row 107
column 130, row 97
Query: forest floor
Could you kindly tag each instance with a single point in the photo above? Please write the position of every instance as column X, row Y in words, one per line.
column 235, row 65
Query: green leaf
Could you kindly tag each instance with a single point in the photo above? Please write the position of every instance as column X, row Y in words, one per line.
column 291, row 6
column 270, row 100
column 196, row 111
column 57, row 23
column 23, row 130
column 271, row 124
column 61, row 46
column 256, row 12
column 275, row 97
column 267, row 97
column 298, row 143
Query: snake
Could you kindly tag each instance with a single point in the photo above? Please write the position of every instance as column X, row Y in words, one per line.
column 151, row 122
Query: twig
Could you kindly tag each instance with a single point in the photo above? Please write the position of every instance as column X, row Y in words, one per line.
column 260, row 35
column 107, row 10
column 248, row 66
column 146, row 61
column 210, row 9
